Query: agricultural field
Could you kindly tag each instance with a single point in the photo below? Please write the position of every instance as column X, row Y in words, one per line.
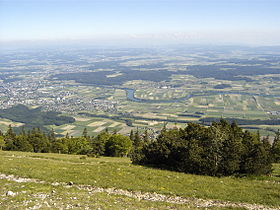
column 4, row 123
column 93, row 126
column 70, row 181
column 124, row 89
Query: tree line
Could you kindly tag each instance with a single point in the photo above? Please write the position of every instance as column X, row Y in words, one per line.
column 221, row 149
column 35, row 140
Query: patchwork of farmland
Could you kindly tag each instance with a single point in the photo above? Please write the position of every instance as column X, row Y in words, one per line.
column 93, row 126
column 124, row 89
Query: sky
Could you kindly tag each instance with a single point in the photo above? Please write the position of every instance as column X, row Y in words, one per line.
column 252, row 22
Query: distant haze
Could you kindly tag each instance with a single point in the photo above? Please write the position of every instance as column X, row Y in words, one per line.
column 139, row 22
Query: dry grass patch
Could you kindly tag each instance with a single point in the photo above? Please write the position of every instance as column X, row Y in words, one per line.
column 125, row 130
column 114, row 75
column 153, row 123
column 97, row 130
column 67, row 132
column 96, row 124
column 151, row 115
column 114, row 124
column 68, row 127
column 277, row 103
column 188, row 118
column 142, row 121
column 170, row 115
column 212, row 110
column 13, row 124
column 202, row 106
column 81, row 119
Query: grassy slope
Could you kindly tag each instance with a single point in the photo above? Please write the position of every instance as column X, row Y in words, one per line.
column 50, row 197
column 120, row 173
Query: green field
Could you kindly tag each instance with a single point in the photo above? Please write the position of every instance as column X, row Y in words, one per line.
column 164, row 86
column 155, row 114
column 93, row 125
column 114, row 183
column 217, row 105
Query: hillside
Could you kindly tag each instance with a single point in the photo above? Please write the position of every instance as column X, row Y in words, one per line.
column 71, row 181
column 34, row 117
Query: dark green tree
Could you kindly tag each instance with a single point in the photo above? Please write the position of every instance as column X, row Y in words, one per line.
column 131, row 135
column 59, row 145
column 231, row 151
column 275, row 149
column 22, row 131
column 115, row 131
column 98, row 144
column 146, row 136
column 39, row 141
column 9, row 138
column 137, row 146
column 78, row 145
column 203, row 141
column 2, row 142
column 255, row 158
column 51, row 136
column 85, row 133
column 83, row 145
column 118, row 145
column 137, row 139
column 22, row 144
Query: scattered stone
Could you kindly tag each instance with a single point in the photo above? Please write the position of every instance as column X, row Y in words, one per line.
column 47, row 204
column 20, row 179
column 10, row 193
column 200, row 203
column 55, row 184
column 41, row 196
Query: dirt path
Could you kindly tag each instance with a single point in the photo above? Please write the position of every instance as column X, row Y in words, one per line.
column 202, row 203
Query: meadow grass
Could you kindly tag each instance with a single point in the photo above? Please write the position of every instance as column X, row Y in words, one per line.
column 46, row 196
column 120, row 173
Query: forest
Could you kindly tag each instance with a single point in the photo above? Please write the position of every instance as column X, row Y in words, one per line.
column 233, row 72
column 222, row 149
column 100, row 77
column 236, row 70
column 34, row 117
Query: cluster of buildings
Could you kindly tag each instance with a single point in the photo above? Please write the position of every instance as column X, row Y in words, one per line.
column 51, row 95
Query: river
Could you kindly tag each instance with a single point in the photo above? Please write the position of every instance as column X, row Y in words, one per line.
column 130, row 94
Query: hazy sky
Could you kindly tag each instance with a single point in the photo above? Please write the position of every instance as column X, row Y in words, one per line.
column 170, row 21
